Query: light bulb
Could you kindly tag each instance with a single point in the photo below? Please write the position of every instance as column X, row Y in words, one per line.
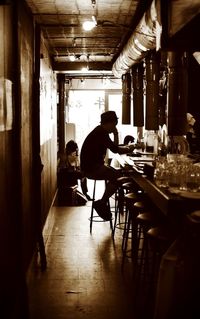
column 72, row 58
column 88, row 25
column 84, row 69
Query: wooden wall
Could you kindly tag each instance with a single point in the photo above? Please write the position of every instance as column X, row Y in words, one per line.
column 21, row 209
column 11, row 263
column 13, row 288
column 25, row 105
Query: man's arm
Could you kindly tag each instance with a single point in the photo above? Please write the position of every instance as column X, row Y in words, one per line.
column 122, row 149
column 116, row 137
column 115, row 148
column 126, row 149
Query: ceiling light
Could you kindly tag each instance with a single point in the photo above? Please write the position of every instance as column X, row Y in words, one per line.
column 89, row 24
column 72, row 58
column 84, row 69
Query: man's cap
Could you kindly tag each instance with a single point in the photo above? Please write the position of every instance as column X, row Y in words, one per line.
column 109, row 116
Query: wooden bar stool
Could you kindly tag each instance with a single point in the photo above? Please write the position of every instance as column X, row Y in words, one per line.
column 126, row 185
column 119, row 195
column 130, row 229
column 94, row 217
column 159, row 239
column 144, row 221
column 120, row 201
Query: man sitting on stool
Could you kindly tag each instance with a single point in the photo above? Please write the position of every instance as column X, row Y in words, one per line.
column 92, row 158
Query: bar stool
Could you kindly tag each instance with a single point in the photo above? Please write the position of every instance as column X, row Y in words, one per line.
column 125, row 188
column 157, row 241
column 178, row 277
column 119, row 194
column 97, row 218
column 120, row 207
column 119, row 200
column 134, row 204
column 144, row 221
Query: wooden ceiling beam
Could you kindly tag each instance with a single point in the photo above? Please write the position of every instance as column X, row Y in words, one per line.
column 77, row 66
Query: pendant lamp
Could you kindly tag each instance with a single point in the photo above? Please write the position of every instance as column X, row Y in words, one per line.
column 126, row 98
column 152, row 91
column 138, row 101
column 177, row 93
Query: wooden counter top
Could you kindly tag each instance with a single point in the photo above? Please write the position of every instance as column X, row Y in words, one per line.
column 168, row 203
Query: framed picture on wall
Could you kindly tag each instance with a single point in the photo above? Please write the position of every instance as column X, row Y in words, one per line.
column 6, row 105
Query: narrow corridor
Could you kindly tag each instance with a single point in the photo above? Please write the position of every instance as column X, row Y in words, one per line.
column 84, row 277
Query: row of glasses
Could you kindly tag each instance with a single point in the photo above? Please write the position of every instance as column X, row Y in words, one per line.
column 177, row 174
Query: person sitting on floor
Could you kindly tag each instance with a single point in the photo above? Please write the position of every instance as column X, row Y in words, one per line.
column 92, row 159
column 73, row 167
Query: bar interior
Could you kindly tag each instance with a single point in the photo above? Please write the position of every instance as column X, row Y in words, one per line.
column 115, row 233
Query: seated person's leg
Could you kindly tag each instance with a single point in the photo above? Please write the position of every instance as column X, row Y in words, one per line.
column 84, row 187
column 110, row 175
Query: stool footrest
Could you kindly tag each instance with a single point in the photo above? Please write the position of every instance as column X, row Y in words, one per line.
column 97, row 218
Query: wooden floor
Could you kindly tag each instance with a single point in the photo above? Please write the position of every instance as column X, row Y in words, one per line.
column 84, row 276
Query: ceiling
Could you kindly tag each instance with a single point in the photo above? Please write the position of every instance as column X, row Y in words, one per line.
column 61, row 23
column 119, row 24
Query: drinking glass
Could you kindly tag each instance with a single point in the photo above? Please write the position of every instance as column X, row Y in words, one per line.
column 193, row 178
column 161, row 172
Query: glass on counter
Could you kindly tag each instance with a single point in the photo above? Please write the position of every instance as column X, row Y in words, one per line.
column 193, row 178
column 151, row 141
column 178, row 173
column 161, row 172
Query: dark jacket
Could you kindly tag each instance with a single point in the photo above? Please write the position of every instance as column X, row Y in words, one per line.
column 94, row 149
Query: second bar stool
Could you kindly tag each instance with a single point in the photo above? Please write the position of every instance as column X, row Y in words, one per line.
column 156, row 241
column 120, row 200
column 134, row 205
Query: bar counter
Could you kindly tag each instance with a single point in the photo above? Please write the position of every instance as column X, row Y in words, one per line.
column 170, row 204
column 178, row 280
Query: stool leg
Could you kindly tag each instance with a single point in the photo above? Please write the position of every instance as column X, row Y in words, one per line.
column 92, row 217
column 116, row 211
column 125, row 227
column 117, row 220
column 92, row 208
column 134, row 238
column 111, row 224
column 125, row 244
column 126, row 233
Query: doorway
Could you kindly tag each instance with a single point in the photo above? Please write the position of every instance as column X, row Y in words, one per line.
column 83, row 112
